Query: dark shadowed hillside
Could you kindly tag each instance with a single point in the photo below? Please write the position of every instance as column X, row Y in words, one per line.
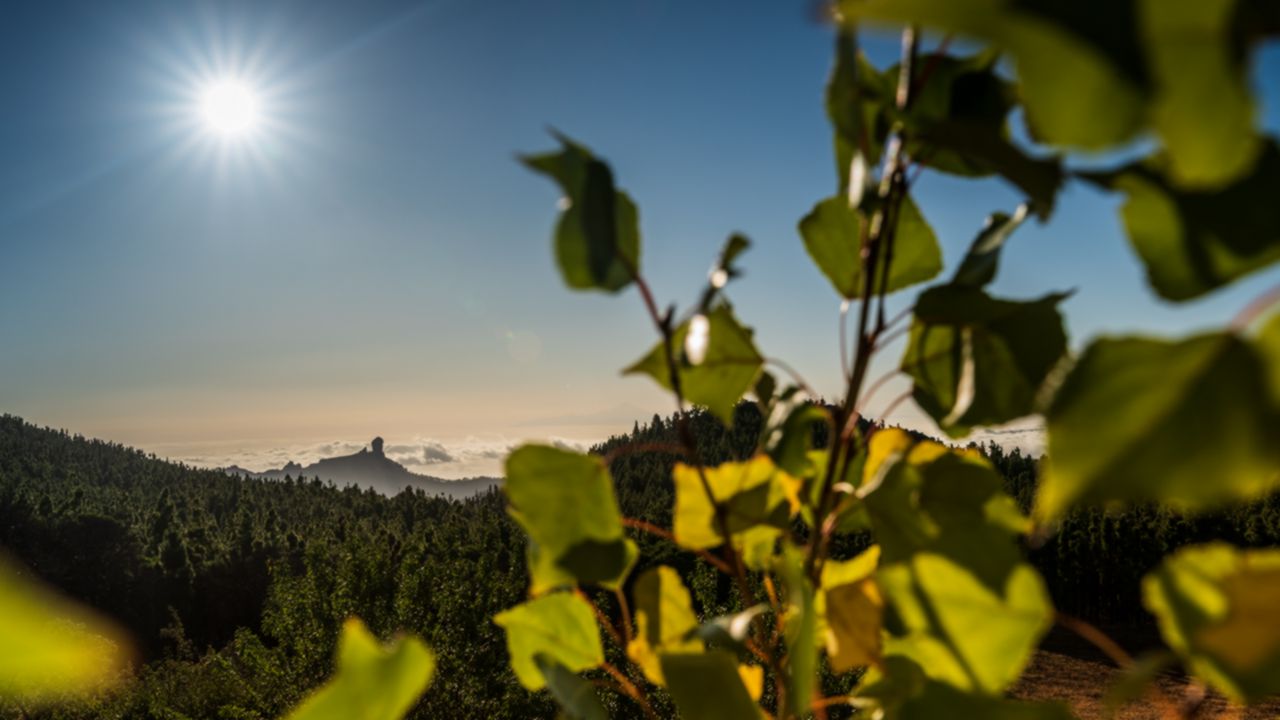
column 234, row 588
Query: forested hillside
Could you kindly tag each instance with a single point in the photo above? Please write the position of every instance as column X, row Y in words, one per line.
column 234, row 589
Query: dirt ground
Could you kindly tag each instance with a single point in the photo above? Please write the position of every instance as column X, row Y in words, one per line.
column 1071, row 671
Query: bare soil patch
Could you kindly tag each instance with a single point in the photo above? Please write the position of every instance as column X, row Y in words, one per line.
column 1071, row 671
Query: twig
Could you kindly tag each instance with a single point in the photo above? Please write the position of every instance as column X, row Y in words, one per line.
column 601, row 619
column 795, row 375
column 1112, row 650
column 630, row 690
column 1255, row 308
column 894, row 405
column 626, row 613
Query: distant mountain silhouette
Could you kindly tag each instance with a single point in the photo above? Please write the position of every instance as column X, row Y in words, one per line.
column 371, row 468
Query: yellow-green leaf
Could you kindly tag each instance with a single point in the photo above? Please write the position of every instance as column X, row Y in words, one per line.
column 560, row 627
column 753, row 493
column 959, row 599
column 1189, row 423
column 371, row 681
column 664, row 619
column 851, row 607
column 50, row 647
column 565, row 502
column 1216, row 607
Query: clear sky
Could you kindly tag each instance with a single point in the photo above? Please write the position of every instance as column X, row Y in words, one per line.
column 373, row 261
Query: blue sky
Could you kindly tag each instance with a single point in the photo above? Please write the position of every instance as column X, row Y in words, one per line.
column 375, row 262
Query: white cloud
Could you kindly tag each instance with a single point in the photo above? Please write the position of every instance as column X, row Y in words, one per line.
column 469, row 456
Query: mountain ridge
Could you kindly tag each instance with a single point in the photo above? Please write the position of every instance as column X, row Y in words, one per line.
column 371, row 468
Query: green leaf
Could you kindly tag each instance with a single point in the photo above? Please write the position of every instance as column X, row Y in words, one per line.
column 576, row 696
column 961, row 601
column 372, row 682
column 728, row 369
column 559, row 627
column 833, row 234
column 958, row 124
column 1216, row 608
column 664, row 619
column 796, row 439
column 565, row 502
column 856, row 97
column 707, row 686
column 1201, row 105
column 50, row 647
column 1073, row 95
column 801, row 630
column 977, row 360
column 990, row 634
column 1093, row 73
column 1195, row 242
column 983, row 259
column 597, row 237
column 753, row 493
column 1186, row 423
column 1268, row 345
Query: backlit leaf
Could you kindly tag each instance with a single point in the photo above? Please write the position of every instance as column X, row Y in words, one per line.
column 371, row 681
column 50, row 647
column 728, row 369
column 565, row 502
column 1188, row 423
column 961, row 602
column 753, row 493
column 851, row 607
column 664, row 619
column 560, row 627
column 1216, row 607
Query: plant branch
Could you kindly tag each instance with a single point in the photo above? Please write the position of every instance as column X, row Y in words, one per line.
column 1255, row 309
column 631, row 690
column 795, row 375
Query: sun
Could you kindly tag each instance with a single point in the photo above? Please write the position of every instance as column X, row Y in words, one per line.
column 229, row 108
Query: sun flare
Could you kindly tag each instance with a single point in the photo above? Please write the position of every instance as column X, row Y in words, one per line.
column 229, row 108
